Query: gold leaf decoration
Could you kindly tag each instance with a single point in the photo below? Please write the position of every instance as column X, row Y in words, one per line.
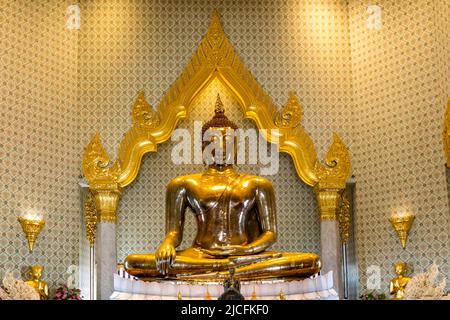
column 291, row 114
column 90, row 219
column 142, row 113
column 215, row 36
column 96, row 167
column 337, row 165
column 344, row 219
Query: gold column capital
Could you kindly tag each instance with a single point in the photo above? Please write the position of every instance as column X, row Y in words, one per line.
column 107, row 202
column 328, row 201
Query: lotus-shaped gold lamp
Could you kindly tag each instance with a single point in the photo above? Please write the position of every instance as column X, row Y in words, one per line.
column 402, row 222
column 31, row 226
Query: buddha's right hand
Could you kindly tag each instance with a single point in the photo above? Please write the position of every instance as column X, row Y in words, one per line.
column 165, row 257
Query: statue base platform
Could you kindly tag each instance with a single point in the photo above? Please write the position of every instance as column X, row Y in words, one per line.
column 318, row 287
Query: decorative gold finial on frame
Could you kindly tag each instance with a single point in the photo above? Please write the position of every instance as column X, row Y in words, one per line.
column 291, row 114
column 32, row 227
column 96, row 165
column 143, row 114
column 402, row 222
column 281, row 295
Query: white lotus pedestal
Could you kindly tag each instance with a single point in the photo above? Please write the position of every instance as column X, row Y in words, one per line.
column 316, row 288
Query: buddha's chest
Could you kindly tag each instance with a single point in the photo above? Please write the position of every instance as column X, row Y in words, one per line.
column 218, row 198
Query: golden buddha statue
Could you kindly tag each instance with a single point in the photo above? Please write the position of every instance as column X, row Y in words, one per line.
column 40, row 286
column 236, row 222
column 398, row 284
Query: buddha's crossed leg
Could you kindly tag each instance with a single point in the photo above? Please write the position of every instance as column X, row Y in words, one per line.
column 196, row 265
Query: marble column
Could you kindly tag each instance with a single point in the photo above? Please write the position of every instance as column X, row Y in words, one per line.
column 331, row 252
column 106, row 202
column 84, row 256
column 329, row 200
column 106, row 259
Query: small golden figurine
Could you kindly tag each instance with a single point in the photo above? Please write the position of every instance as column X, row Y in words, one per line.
column 398, row 284
column 40, row 286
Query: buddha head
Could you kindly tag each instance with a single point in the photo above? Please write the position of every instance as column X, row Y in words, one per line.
column 219, row 143
column 401, row 268
column 36, row 272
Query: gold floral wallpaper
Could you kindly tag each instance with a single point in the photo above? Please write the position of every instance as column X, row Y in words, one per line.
column 39, row 136
column 399, row 102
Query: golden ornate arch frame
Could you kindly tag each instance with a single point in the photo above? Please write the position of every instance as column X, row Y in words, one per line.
column 215, row 58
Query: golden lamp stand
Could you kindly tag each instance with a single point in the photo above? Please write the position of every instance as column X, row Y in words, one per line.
column 31, row 228
column 402, row 224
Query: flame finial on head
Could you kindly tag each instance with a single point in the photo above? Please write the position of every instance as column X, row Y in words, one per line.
column 219, row 120
column 219, row 106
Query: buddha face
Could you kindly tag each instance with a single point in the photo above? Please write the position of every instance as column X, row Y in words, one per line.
column 400, row 268
column 36, row 272
column 219, row 146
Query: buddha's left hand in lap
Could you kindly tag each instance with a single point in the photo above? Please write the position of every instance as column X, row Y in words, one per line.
column 229, row 250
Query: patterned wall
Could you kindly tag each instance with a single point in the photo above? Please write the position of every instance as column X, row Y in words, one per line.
column 39, row 143
column 399, row 101
column 383, row 90
column 126, row 46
